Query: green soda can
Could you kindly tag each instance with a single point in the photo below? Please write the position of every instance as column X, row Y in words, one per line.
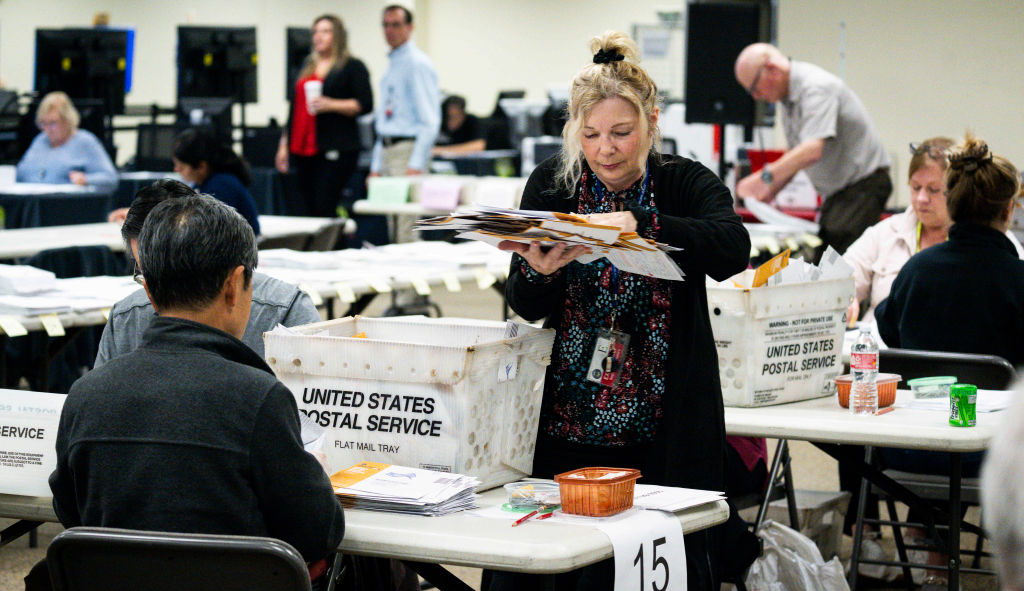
column 963, row 400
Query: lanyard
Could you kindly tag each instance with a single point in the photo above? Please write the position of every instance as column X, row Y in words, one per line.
column 644, row 189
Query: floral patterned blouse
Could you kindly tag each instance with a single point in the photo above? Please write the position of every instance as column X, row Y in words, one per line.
column 598, row 296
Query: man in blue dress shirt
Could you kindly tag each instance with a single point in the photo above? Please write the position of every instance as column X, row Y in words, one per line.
column 409, row 116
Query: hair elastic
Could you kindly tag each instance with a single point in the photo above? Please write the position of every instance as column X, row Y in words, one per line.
column 607, row 57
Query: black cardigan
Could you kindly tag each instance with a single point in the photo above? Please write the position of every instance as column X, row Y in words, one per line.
column 335, row 131
column 965, row 295
column 695, row 213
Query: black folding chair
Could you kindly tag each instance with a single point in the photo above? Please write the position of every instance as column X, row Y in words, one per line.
column 101, row 559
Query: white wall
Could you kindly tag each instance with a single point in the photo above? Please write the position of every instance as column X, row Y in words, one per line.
column 482, row 47
column 922, row 67
column 155, row 24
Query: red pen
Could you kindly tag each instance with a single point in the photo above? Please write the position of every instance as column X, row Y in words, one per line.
column 525, row 517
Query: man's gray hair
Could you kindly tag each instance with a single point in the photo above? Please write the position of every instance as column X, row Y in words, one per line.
column 187, row 248
column 1002, row 493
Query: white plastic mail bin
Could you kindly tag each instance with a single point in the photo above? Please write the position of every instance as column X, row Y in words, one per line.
column 444, row 394
column 779, row 344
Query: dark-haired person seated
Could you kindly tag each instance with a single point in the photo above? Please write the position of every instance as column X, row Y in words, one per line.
column 191, row 432
column 964, row 295
column 209, row 165
column 273, row 301
column 464, row 133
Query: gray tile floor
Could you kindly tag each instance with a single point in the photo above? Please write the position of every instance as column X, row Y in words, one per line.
column 812, row 469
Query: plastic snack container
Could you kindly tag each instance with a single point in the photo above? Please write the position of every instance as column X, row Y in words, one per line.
column 531, row 495
column 597, row 491
column 933, row 387
column 886, row 383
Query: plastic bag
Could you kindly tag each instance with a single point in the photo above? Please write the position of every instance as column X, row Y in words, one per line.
column 792, row 562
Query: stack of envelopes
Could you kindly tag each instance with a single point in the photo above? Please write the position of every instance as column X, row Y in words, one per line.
column 628, row 251
column 400, row 489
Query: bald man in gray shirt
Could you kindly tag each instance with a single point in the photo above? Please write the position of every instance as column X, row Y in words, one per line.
column 830, row 136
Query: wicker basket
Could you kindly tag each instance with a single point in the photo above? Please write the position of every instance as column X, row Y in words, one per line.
column 597, row 492
column 886, row 383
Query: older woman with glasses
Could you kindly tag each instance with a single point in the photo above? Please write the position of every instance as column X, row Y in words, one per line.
column 62, row 153
column 879, row 254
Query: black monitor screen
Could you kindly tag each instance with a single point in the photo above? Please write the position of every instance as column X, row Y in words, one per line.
column 154, row 147
column 84, row 63
column 213, row 113
column 299, row 45
column 217, row 62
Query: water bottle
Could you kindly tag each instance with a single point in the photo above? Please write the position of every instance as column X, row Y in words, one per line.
column 864, row 365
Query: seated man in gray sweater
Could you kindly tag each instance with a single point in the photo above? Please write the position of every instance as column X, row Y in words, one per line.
column 273, row 301
column 191, row 431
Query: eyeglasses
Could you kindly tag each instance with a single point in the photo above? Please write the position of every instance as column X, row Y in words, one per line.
column 48, row 124
column 752, row 89
column 933, row 152
column 137, row 277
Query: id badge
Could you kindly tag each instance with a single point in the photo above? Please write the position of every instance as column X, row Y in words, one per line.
column 609, row 354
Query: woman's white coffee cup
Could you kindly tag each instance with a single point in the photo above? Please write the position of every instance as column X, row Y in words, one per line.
column 313, row 89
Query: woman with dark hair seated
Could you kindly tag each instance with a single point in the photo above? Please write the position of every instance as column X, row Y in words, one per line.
column 965, row 295
column 209, row 164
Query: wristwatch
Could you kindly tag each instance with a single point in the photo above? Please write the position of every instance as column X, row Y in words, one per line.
column 766, row 176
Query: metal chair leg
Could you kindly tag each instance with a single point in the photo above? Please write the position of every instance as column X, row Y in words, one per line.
column 858, row 530
column 901, row 547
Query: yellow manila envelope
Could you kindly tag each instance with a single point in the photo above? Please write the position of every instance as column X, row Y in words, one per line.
column 770, row 267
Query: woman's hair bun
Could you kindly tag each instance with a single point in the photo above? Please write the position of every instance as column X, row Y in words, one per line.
column 614, row 42
column 969, row 155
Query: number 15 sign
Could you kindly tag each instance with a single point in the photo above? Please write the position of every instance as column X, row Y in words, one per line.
column 649, row 551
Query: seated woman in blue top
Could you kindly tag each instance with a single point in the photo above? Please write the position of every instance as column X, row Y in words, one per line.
column 207, row 163
column 62, row 153
column 964, row 295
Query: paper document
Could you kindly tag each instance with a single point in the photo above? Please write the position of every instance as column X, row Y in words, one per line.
column 770, row 215
column 626, row 250
column 987, row 401
column 401, row 489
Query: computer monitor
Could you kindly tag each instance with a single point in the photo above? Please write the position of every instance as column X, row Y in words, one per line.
column 84, row 63
column 299, row 44
column 505, row 94
column 217, row 62
column 154, row 147
column 213, row 113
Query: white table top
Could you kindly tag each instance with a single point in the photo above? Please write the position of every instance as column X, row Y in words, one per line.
column 461, row 538
column 28, row 241
column 823, row 420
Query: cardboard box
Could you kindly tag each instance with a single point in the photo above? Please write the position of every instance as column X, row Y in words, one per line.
column 444, row 394
column 779, row 344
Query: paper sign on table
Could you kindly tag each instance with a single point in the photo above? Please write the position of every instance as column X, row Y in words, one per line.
column 11, row 326
column 451, row 282
column 649, row 550
column 389, row 190
column 312, row 293
column 28, row 424
column 345, row 292
column 496, row 192
column 52, row 325
column 438, row 193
